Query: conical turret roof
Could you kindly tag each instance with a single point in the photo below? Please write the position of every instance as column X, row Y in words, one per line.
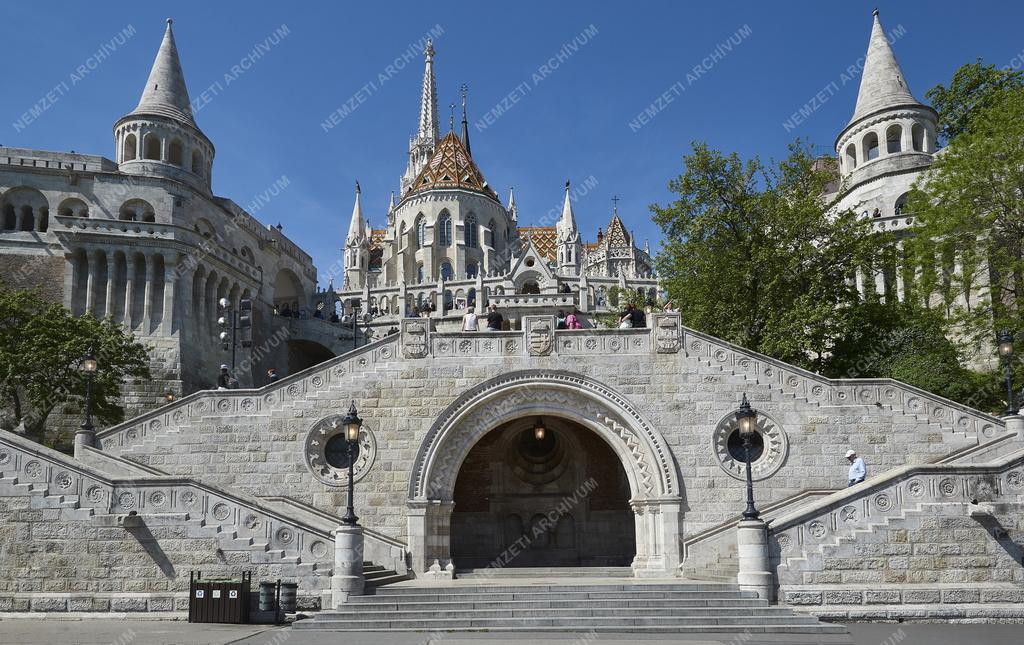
column 165, row 93
column 882, row 85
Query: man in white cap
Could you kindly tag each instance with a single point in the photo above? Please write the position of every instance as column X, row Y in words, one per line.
column 858, row 471
column 224, row 380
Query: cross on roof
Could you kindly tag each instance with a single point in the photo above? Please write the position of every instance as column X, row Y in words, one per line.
column 615, row 204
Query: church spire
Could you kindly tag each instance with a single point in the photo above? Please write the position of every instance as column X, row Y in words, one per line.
column 428, row 99
column 165, row 93
column 357, row 227
column 512, row 209
column 882, row 84
column 570, row 247
column 465, row 124
column 567, row 223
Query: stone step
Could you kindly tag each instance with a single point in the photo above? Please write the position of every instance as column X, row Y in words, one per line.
column 755, row 624
column 571, row 588
column 386, row 592
column 545, row 572
column 391, row 578
column 559, row 612
column 389, row 603
column 377, row 574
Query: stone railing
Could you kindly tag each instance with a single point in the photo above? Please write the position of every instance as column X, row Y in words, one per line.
column 32, row 463
column 244, row 401
column 799, row 535
column 566, row 300
column 823, row 391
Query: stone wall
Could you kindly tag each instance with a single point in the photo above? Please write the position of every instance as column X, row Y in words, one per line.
column 256, row 441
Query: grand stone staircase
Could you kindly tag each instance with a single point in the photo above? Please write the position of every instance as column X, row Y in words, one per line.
column 549, row 604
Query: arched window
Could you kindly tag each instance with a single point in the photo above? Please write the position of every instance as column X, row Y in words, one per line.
column 402, row 241
column 421, row 231
column 175, row 153
column 492, row 232
column 10, row 218
column 130, row 146
column 444, row 229
column 851, row 157
column 917, row 135
column 471, row 270
column 197, row 162
column 419, row 273
column 446, row 270
column 870, row 146
column 151, row 149
column 470, row 232
column 893, row 139
column 901, row 203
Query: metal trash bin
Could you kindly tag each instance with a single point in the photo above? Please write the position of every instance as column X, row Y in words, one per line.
column 218, row 600
column 268, row 596
column 289, row 593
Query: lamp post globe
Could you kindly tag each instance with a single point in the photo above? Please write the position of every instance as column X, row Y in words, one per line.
column 352, row 425
column 746, row 417
column 1005, row 340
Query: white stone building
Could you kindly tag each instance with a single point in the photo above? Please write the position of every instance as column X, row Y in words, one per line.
column 449, row 242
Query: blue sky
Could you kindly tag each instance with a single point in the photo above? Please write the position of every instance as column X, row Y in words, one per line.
column 761, row 63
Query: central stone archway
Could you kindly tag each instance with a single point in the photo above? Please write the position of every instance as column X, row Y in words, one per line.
column 654, row 482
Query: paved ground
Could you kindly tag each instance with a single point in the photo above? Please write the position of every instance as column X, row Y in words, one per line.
column 40, row 631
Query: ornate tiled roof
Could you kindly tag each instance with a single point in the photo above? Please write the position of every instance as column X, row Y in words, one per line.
column 451, row 167
column 377, row 238
column 544, row 239
column 616, row 234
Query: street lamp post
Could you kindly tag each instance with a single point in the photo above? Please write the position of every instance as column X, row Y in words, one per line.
column 86, row 436
column 352, row 424
column 1005, row 340
column 747, row 418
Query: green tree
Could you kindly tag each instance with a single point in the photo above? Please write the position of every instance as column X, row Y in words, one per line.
column 970, row 208
column 41, row 347
column 754, row 255
column 974, row 89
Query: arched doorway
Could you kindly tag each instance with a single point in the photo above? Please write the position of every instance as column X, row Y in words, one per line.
column 542, row 492
column 582, row 403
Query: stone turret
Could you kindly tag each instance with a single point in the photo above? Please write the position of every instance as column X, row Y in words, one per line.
column 890, row 131
column 357, row 248
column 160, row 136
column 570, row 247
column 421, row 146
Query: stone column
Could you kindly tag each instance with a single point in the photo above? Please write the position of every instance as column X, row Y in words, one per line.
column 880, row 284
column 901, row 290
column 111, row 283
column 859, row 279
column 1015, row 424
column 430, row 538
column 961, row 281
column 147, row 302
column 752, row 546
column 170, row 285
column 129, row 290
column 348, row 579
column 90, row 281
column 71, row 285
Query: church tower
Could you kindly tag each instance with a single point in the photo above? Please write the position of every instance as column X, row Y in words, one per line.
column 891, row 134
column 357, row 248
column 160, row 136
column 570, row 247
column 421, row 146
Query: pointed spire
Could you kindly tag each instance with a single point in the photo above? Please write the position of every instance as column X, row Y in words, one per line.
column 428, row 100
column 464, row 90
column 357, row 227
column 391, row 202
column 882, row 85
column 165, row 93
column 512, row 209
column 567, row 223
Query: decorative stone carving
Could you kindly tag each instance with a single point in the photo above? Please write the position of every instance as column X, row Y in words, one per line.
column 63, row 480
column 785, row 543
column 322, row 432
column 221, row 511
column 158, row 498
column 285, row 535
column 252, row 522
column 5, row 457
column 318, row 549
column 1015, row 479
column 96, row 495
column 126, row 501
column 916, row 487
column 651, row 460
column 773, row 456
column 188, row 498
column 883, row 502
column 816, row 529
column 540, row 335
column 848, row 514
column 415, row 338
column 34, row 469
column 947, row 487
